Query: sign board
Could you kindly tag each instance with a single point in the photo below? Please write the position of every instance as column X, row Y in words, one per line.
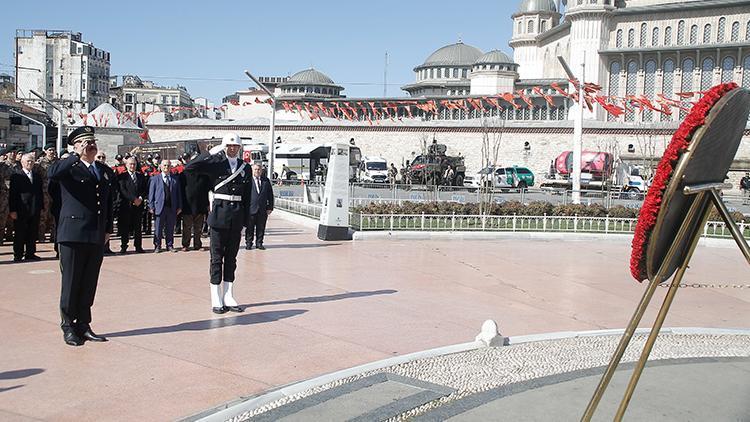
column 334, row 219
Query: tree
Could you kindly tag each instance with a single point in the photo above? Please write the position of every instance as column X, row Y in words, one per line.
column 492, row 135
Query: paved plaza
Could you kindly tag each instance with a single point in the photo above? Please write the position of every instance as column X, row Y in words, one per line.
column 316, row 307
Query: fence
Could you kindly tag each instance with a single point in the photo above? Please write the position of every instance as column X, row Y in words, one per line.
column 516, row 223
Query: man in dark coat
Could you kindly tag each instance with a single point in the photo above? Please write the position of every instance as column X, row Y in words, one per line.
column 261, row 206
column 229, row 177
column 165, row 203
column 194, row 206
column 85, row 226
column 26, row 204
column 133, row 191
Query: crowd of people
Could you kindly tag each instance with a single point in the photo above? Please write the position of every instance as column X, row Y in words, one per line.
column 77, row 201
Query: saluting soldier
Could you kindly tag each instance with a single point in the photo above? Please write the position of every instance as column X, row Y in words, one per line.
column 229, row 177
column 84, row 227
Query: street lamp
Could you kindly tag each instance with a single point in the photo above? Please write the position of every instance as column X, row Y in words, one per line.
column 577, row 129
column 44, row 127
column 271, row 144
column 58, row 146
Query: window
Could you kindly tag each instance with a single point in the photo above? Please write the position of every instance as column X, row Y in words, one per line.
column 735, row 32
column 707, row 73
column 543, row 26
column 631, row 38
column 432, row 73
column 463, row 73
column 455, row 72
column 667, row 87
column 747, row 32
column 707, row 33
column 720, row 30
column 520, row 27
column 530, row 26
column 643, row 34
column 727, row 69
column 61, row 79
column 618, row 38
column 746, row 72
column 649, row 87
column 688, row 66
column 655, row 37
column 681, row 33
column 668, row 36
column 694, row 34
column 632, row 77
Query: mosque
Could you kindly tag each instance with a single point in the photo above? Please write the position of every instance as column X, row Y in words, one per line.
column 642, row 48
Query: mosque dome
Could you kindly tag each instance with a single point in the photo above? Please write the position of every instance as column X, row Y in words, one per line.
column 458, row 54
column 494, row 57
column 534, row 6
column 310, row 76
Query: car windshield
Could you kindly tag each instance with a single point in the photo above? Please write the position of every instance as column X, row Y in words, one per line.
column 378, row 165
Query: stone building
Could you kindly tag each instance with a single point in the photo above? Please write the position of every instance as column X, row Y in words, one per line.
column 136, row 95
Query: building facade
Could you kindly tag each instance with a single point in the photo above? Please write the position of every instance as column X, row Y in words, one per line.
column 61, row 67
column 135, row 95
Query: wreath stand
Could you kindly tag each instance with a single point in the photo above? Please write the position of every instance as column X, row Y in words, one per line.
column 693, row 190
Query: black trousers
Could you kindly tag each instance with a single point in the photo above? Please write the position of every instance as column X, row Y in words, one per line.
column 256, row 227
column 225, row 243
column 191, row 229
column 130, row 221
column 27, row 232
column 79, row 264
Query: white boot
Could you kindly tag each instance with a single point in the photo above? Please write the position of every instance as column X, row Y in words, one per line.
column 229, row 297
column 217, row 304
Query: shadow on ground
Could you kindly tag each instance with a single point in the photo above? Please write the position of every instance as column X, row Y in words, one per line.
column 210, row 324
column 327, row 298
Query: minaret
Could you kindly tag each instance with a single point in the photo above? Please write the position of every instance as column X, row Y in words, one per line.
column 532, row 18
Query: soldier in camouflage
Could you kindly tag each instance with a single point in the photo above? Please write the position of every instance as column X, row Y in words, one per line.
column 46, row 222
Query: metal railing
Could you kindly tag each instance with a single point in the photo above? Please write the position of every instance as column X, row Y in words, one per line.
column 516, row 223
column 296, row 206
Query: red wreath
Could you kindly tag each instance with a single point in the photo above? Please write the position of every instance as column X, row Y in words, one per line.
column 651, row 205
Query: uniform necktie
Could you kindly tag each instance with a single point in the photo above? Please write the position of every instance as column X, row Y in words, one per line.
column 92, row 170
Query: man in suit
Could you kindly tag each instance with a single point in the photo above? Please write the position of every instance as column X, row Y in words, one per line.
column 132, row 187
column 194, row 206
column 261, row 206
column 165, row 202
column 85, row 226
column 229, row 178
column 26, row 204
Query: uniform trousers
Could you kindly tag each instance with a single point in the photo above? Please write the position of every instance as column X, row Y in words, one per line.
column 225, row 243
column 191, row 228
column 27, row 232
column 79, row 264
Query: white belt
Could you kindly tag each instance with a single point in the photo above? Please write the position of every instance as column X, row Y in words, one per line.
column 233, row 198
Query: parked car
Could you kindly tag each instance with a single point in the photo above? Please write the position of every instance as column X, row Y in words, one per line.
column 373, row 170
column 501, row 177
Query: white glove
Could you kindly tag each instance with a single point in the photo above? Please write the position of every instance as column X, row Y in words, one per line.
column 217, row 149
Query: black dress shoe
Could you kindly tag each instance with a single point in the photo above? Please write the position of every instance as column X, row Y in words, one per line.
column 33, row 258
column 92, row 336
column 17, row 259
column 261, row 247
column 139, row 250
column 219, row 310
column 235, row 308
column 248, row 247
column 72, row 339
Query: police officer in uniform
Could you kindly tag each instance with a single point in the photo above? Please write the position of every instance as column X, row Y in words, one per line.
column 84, row 228
column 229, row 177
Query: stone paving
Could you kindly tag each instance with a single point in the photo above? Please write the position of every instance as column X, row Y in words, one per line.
column 461, row 377
column 313, row 308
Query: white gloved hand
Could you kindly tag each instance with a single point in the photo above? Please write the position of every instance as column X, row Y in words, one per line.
column 217, row 149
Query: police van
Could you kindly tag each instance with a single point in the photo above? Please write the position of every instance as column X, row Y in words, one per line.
column 373, row 170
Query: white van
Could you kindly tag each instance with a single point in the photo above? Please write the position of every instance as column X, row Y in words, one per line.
column 373, row 170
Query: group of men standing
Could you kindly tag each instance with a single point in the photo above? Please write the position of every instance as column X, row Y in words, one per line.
column 86, row 191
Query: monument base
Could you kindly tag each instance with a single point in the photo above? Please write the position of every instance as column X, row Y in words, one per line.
column 332, row 232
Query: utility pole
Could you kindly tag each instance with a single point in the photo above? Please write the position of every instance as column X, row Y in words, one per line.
column 577, row 128
column 271, row 145
column 59, row 122
column 44, row 127
column 385, row 76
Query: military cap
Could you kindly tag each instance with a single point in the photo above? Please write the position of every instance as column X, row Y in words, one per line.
column 127, row 155
column 62, row 152
column 186, row 156
column 49, row 146
column 118, row 157
column 81, row 134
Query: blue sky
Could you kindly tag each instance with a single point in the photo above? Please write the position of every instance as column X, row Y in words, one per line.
column 204, row 41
